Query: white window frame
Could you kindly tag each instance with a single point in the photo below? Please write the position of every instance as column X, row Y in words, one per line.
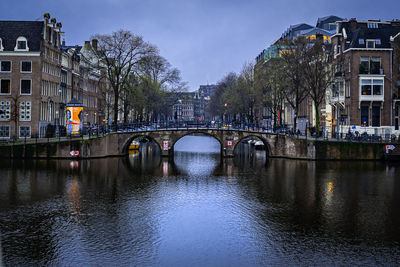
column 1, row 45
column 371, row 97
column 370, row 40
column 10, row 86
column 9, row 132
column 19, row 131
column 20, row 86
column 21, row 39
column 21, row 66
column 10, row 66
column 6, row 104
column 25, row 110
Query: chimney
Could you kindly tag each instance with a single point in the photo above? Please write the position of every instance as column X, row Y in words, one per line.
column 353, row 24
column 53, row 20
column 87, row 43
column 94, row 44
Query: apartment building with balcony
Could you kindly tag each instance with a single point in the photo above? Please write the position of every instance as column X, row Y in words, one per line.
column 363, row 60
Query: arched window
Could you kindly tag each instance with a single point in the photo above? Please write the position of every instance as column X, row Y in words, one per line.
column 1, row 45
column 21, row 44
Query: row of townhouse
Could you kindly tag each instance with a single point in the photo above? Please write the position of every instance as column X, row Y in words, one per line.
column 39, row 76
column 364, row 95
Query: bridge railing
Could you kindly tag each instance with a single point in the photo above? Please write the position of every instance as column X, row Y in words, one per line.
column 96, row 131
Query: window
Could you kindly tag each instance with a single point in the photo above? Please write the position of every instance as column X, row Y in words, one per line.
column 5, row 66
column 26, row 86
column 378, row 41
column 364, row 116
column 25, row 111
column 364, row 65
column 361, row 41
column 348, row 88
column 370, row 43
column 372, row 87
column 370, row 65
column 1, row 45
column 349, row 64
column 372, row 25
column 5, row 110
column 376, row 116
column 377, row 87
column 24, row 131
column 5, row 131
column 5, row 86
column 366, row 87
column 26, row 66
column 22, row 44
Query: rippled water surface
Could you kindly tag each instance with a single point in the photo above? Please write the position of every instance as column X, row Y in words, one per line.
column 198, row 209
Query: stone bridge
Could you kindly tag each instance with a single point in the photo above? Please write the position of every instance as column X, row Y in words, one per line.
column 117, row 144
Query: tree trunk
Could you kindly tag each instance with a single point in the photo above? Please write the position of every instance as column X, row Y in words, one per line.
column 116, row 98
column 316, row 106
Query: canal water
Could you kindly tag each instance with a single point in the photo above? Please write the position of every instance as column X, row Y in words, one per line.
column 199, row 210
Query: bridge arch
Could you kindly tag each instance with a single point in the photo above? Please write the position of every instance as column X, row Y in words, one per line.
column 216, row 137
column 128, row 141
column 267, row 147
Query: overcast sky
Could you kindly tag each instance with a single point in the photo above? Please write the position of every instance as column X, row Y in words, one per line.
column 204, row 39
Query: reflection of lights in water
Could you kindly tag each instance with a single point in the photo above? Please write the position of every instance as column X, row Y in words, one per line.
column 330, row 187
column 165, row 168
column 74, row 164
column 74, row 194
column 133, row 152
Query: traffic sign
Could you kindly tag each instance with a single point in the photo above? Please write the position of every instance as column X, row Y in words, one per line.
column 165, row 145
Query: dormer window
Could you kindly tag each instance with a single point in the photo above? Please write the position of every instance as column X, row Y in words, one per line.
column 21, row 44
column 361, row 41
column 372, row 25
column 370, row 43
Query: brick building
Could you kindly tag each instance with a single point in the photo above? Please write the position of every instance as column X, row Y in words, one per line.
column 365, row 90
column 39, row 76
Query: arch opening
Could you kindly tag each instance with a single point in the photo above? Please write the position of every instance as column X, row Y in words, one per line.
column 198, row 142
column 141, row 145
column 251, row 146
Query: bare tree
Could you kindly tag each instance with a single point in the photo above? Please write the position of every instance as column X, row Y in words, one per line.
column 318, row 75
column 294, row 60
column 121, row 52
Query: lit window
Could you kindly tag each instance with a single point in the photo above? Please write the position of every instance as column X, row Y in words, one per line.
column 26, row 86
column 26, row 66
column 5, row 66
column 5, row 86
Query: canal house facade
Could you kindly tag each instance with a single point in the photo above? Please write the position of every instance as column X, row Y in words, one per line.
column 364, row 96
